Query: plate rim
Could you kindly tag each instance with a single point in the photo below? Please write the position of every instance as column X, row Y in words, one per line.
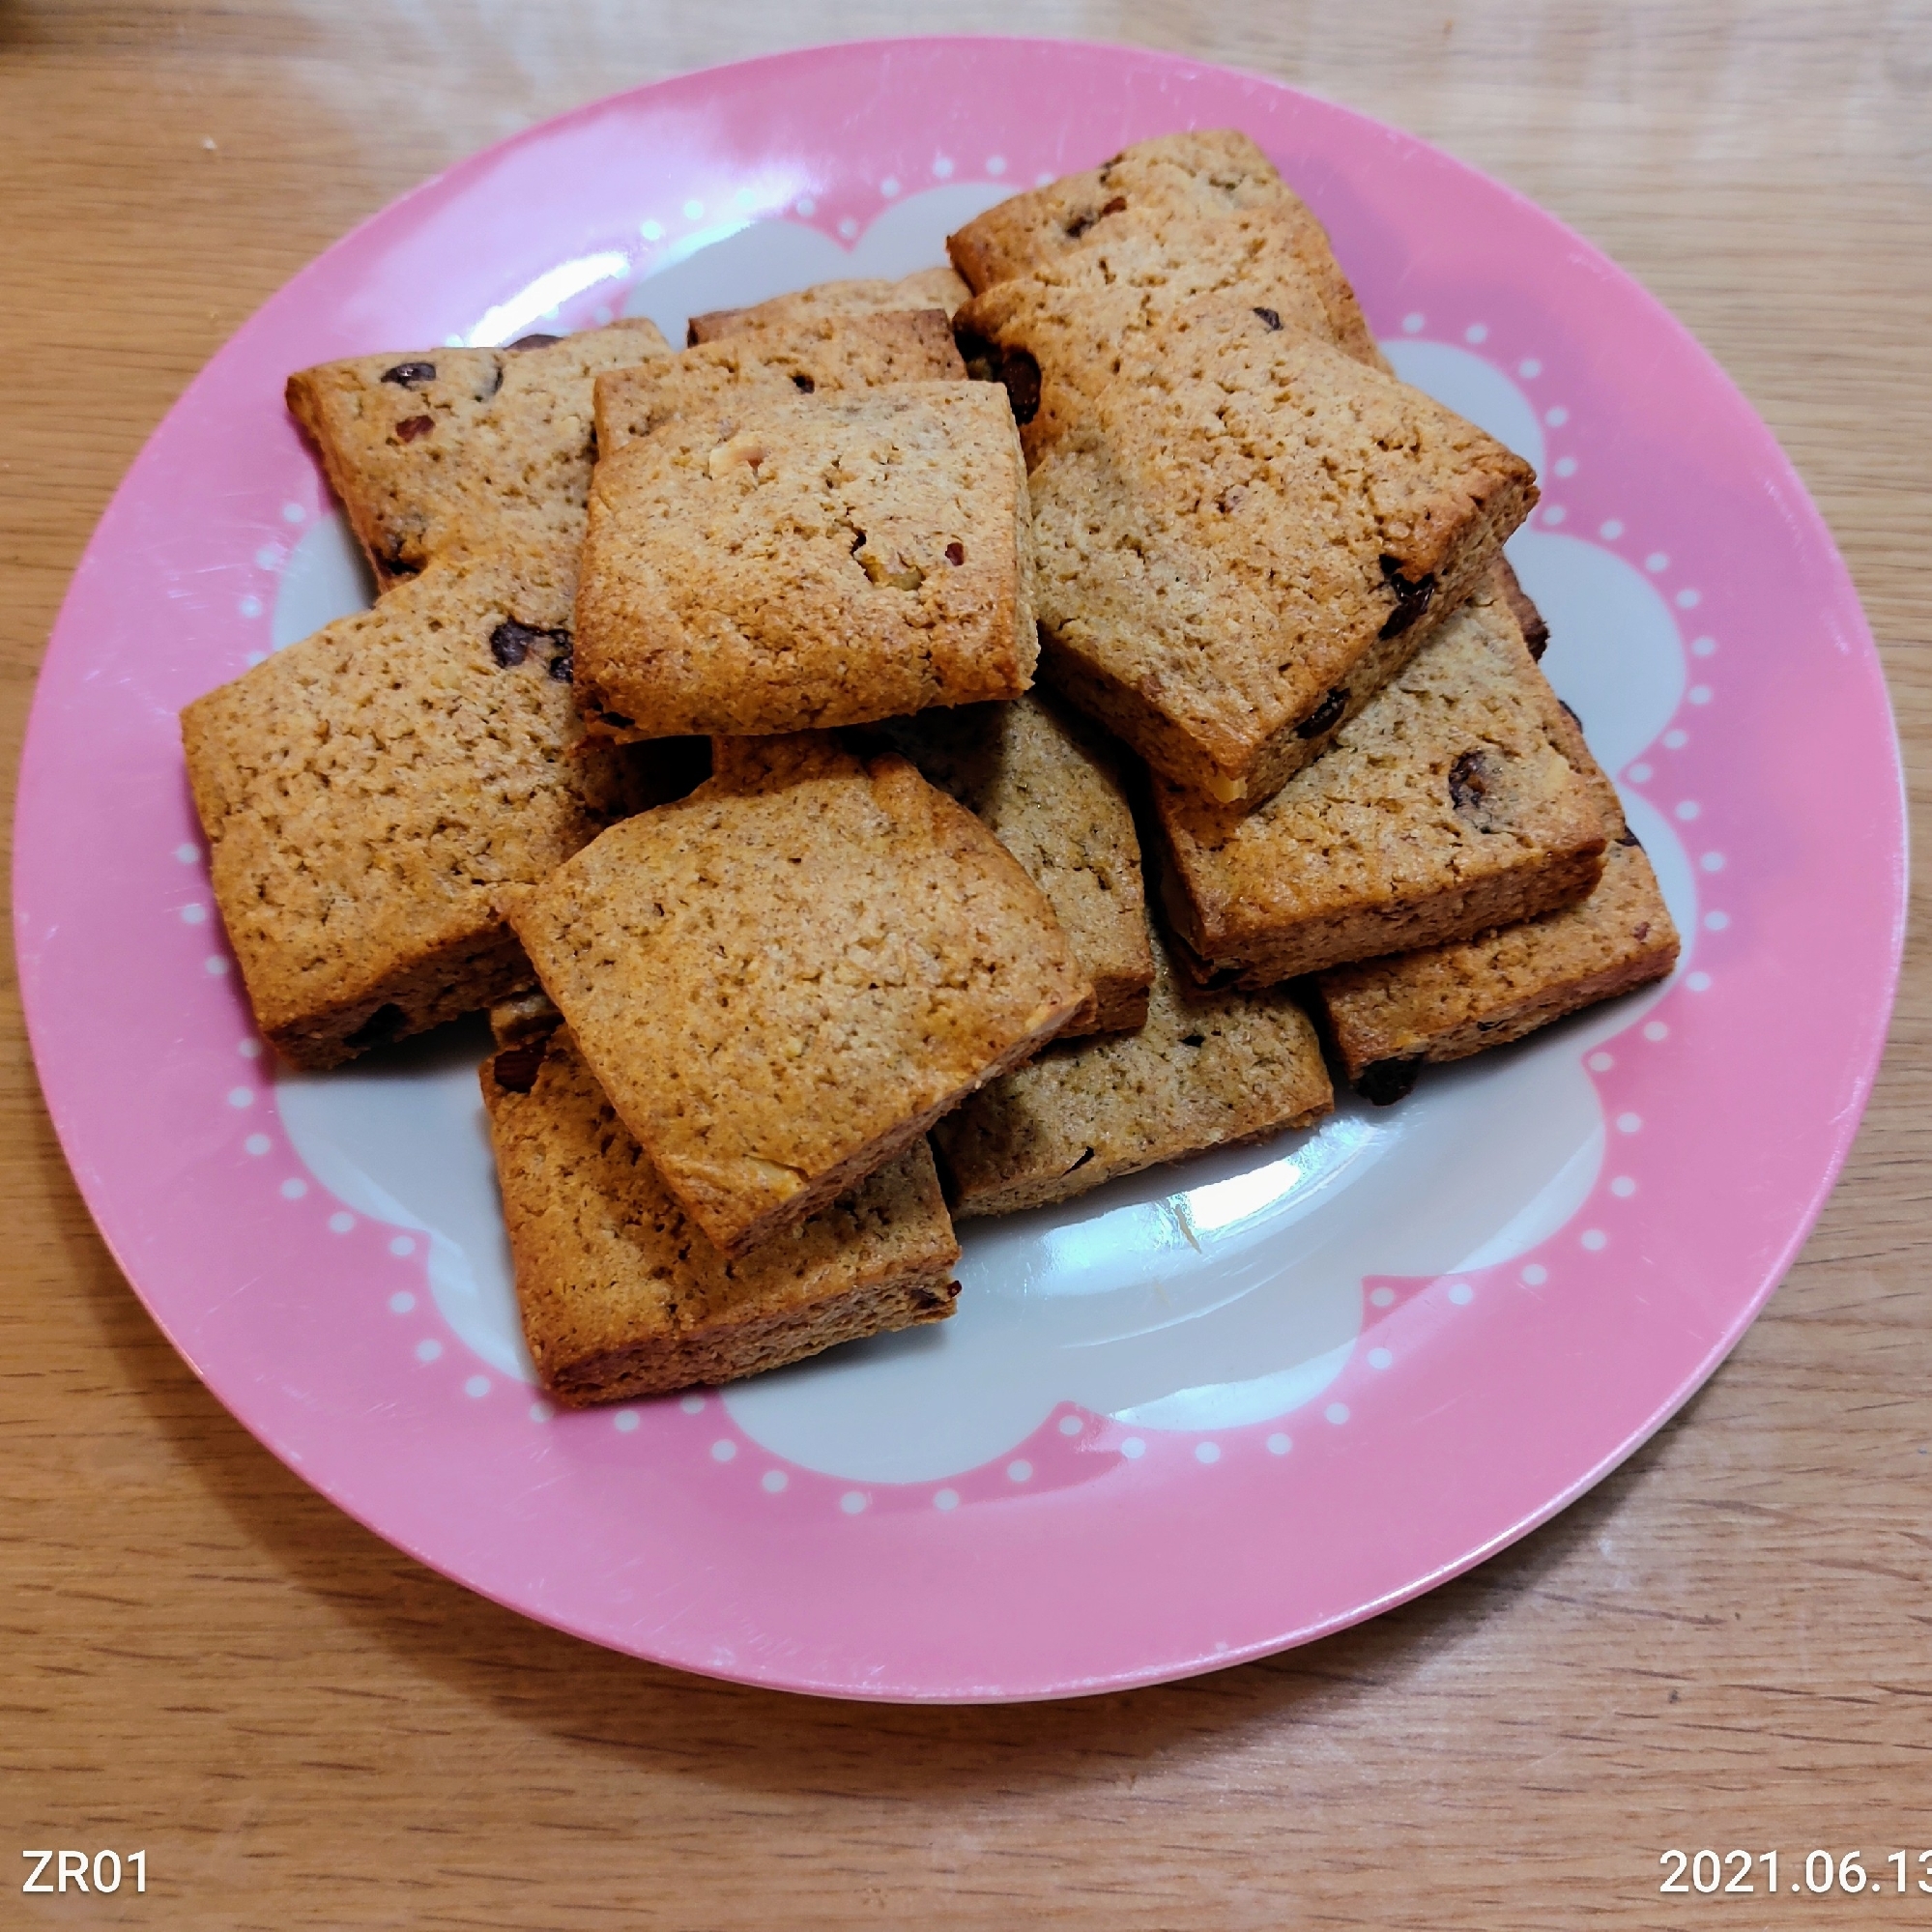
column 96, row 1187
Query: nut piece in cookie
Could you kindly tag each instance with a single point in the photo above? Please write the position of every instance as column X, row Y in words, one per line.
column 1050, row 790
column 1449, row 805
column 456, row 448
column 818, row 561
column 621, row 1296
column 1448, row 1001
column 1207, row 1070
column 782, row 980
column 1250, row 535
column 368, row 792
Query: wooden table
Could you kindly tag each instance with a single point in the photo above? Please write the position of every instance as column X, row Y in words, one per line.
column 1725, row 1644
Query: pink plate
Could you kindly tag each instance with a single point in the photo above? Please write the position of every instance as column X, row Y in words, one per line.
column 1193, row 1418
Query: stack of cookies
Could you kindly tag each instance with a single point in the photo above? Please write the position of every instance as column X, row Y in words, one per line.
column 695, row 736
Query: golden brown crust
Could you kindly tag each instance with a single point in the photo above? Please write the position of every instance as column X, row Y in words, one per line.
column 784, row 979
column 816, row 355
column 1056, row 350
column 1247, row 539
column 621, row 1296
column 835, row 560
column 925, row 289
column 1449, row 805
column 368, row 792
column 1448, row 1001
column 1207, row 1070
column 1183, row 215
column 443, row 451
column 1050, row 790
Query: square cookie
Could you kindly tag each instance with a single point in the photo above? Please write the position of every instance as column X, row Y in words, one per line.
column 446, row 450
column 1044, row 784
column 822, row 561
column 1055, row 349
column 1186, row 213
column 782, row 980
column 621, row 1296
column 1248, row 537
column 813, row 353
column 368, row 792
column 1448, row 806
column 926, row 288
column 1388, row 1017
column 1207, row 1070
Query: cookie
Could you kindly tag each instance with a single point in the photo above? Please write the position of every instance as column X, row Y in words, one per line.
column 1041, row 780
column 928, row 288
column 451, row 449
column 782, row 980
column 1249, row 537
column 814, row 561
column 1055, row 349
column 1388, row 1017
column 621, row 1296
column 812, row 355
column 367, row 792
column 1207, row 1070
column 1450, row 805
column 1186, row 214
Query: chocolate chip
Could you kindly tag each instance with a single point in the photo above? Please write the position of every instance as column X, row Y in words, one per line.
column 803, row 383
column 1383, row 1082
column 980, row 356
column 379, row 1028
column 1324, row 713
column 406, row 375
column 1468, row 780
column 397, row 565
column 534, row 341
column 1412, row 599
column 1081, row 224
column 956, row 553
column 1570, row 715
column 932, row 1300
column 1629, row 837
column 1020, row 373
column 563, row 666
column 413, row 427
column 1640, row 933
column 1271, row 318
column 516, row 1068
column 511, row 642
column 616, row 718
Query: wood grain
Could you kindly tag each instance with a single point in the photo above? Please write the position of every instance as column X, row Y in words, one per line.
column 1725, row 1644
